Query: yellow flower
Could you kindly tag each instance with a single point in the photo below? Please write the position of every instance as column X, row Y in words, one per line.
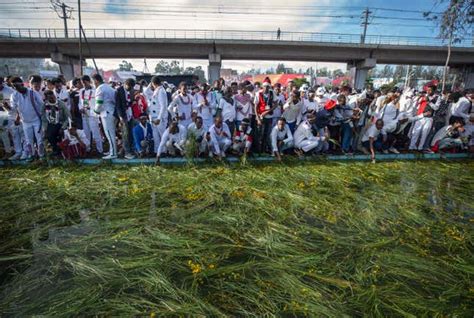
column 122, row 179
column 211, row 266
column 152, row 315
column 301, row 185
column 195, row 268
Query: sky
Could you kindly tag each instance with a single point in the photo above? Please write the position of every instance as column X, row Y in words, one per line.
column 398, row 18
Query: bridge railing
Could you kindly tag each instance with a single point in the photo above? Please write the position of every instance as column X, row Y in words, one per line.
column 25, row 33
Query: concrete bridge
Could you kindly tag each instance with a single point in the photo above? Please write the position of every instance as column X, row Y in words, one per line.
column 216, row 46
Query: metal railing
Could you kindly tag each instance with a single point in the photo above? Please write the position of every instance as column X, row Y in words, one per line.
column 24, row 33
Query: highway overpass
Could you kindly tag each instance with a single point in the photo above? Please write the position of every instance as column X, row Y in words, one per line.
column 216, row 46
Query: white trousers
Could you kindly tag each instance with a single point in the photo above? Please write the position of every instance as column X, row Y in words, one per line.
column 17, row 135
column 90, row 125
column 421, row 130
column 309, row 144
column 172, row 148
column 32, row 131
column 286, row 145
column 220, row 145
column 108, row 122
column 158, row 131
column 240, row 146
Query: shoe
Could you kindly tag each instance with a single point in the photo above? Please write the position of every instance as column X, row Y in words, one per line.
column 222, row 154
column 106, row 153
column 109, row 157
column 16, row 156
column 365, row 151
column 129, row 156
column 29, row 158
column 385, row 151
column 428, row 151
column 393, row 150
column 24, row 156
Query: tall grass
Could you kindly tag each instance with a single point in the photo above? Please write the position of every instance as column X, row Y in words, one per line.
column 392, row 239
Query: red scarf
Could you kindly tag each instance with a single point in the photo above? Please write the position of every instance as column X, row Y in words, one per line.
column 422, row 106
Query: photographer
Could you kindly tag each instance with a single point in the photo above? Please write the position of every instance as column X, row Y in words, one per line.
column 57, row 118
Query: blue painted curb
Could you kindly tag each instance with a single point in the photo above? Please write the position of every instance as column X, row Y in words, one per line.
column 183, row 161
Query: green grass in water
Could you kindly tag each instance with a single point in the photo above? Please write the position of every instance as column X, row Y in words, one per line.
column 391, row 239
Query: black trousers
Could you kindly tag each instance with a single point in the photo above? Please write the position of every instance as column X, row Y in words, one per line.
column 54, row 134
column 263, row 134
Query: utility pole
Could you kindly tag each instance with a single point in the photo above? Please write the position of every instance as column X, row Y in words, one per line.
column 365, row 23
column 64, row 12
column 80, row 32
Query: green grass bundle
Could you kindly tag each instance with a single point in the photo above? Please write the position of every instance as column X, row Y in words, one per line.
column 315, row 240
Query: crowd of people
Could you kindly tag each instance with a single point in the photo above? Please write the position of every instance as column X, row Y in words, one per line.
column 90, row 118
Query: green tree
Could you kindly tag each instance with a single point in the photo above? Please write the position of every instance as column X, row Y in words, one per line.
column 337, row 73
column 125, row 66
column 386, row 72
column 20, row 67
column 280, row 69
column 300, row 81
column 455, row 23
column 399, row 72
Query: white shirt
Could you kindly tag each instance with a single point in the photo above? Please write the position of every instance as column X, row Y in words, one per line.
column 105, row 100
column 280, row 100
column 243, row 110
column 148, row 93
column 304, row 132
column 182, row 105
column 22, row 103
column 87, row 101
column 62, row 95
column 292, row 112
column 461, row 108
column 193, row 130
column 228, row 110
column 372, row 132
column 5, row 96
column 179, row 138
column 217, row 133
column 205, row 111
column 321, row 102
column 159, row 105
column 278, row 134
column 310, row 106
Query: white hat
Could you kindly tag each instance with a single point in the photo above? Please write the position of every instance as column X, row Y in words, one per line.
column 304, row 87
column 320, row 91
column 266, row 84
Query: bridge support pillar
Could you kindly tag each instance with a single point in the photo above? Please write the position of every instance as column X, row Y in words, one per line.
column 359, row 72
column 468, row 77
column 214, row 68
column 69, row 66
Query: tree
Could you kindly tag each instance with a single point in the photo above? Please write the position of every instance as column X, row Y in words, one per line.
column 454, row 24
column 399, row 72
column 337, row 73
column 386, row 72
column 300, row 81
column 280, row 69
column 198, row 71
column 20, row 67
column 125, row 66
column 418, row 71
column 323, row 72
